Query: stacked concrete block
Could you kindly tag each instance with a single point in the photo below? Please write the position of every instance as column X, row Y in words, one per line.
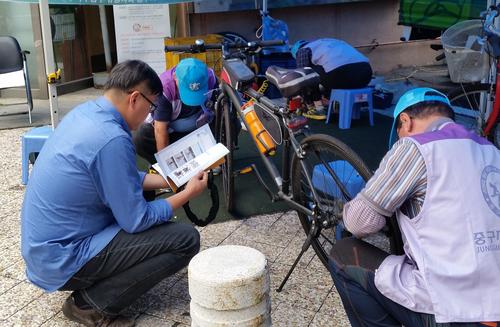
column 229, row 286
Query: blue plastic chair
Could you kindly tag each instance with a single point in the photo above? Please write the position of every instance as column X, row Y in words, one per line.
column 350, row 105
column 32, row 142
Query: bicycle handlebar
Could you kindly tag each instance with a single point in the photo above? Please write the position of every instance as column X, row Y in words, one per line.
column 200, row 46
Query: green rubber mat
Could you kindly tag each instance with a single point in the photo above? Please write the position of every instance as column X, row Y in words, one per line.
column 251, row 199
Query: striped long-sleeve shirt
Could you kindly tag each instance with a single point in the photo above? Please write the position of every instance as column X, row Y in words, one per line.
column 399, row 183
column 304, row 57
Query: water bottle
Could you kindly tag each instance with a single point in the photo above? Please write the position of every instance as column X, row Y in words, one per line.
column 265, row 142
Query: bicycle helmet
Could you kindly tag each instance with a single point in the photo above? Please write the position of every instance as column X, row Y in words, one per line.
column 410, row 98
column 296, row 46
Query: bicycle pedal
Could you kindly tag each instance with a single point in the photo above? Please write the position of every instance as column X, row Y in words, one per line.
column 244, row 171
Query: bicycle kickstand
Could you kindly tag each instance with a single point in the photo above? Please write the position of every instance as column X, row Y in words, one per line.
column 305, row 246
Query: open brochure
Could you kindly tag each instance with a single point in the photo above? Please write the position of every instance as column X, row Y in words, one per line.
column 193, row 153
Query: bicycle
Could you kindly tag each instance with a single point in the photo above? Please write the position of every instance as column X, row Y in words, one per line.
column 319, row 173
column 469, row 101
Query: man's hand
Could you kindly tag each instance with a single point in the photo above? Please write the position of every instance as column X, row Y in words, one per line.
column 197, row 184
column 194, row 187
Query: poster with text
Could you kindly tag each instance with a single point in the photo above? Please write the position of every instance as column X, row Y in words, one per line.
column 140, row 30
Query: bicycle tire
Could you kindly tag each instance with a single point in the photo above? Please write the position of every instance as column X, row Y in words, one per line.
column 496, row 135
column 351, row 169
column 465, row 101
column 226, row 137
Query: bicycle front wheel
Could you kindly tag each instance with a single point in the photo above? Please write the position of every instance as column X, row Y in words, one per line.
column 465, row 101
column 329, row 175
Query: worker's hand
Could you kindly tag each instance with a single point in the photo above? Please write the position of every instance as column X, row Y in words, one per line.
column 197, row 184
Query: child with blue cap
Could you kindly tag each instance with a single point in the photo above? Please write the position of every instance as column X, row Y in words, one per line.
column 441, row 181
column 338, row 64
column 185, row 104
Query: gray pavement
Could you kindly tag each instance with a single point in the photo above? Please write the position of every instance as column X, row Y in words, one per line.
column 309, row 298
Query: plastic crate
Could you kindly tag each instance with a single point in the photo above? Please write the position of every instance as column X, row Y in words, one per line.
column 213, row 58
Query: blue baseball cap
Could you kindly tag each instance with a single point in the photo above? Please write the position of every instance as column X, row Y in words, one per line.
column 296, row 46
column 192, row 81
column 411, row 98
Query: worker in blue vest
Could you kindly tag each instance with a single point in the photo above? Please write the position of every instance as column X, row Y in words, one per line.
column 339, row 66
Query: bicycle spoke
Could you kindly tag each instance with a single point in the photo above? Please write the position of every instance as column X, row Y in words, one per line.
column 326, row 238
column 340, row 185
column 466, row 103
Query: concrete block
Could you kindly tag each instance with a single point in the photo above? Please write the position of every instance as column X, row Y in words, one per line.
column 229, row 286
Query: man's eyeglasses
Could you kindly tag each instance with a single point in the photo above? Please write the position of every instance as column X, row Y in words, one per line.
column 152, row 106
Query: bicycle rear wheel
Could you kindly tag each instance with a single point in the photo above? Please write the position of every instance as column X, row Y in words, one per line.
column 496, row 135
column 322, row 151
column 225, row 136
column 465, row 101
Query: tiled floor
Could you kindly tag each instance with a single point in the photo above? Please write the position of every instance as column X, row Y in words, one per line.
column 308, row 299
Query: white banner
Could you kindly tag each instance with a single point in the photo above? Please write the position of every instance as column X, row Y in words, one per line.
column 140, row 30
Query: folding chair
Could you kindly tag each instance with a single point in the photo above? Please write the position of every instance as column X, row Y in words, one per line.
column 14, row 69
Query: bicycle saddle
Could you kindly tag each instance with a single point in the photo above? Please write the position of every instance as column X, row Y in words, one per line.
column 291, row 82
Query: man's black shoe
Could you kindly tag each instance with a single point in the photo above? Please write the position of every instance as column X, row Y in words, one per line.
column 92, row 317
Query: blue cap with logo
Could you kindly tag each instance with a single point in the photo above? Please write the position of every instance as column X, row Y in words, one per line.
column 296, row 46
column 411, row 98
column 192, row 79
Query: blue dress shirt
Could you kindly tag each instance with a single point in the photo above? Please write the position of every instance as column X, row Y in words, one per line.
column 84, row 189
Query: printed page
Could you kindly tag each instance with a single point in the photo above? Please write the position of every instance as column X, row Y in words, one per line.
column 183, row 174
column 193, row 153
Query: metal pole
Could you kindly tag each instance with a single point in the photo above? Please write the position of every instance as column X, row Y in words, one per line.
column 105, row 37
column 264, row 6
column 48, row 52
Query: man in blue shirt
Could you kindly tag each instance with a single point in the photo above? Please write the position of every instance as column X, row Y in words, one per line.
column 86, row 226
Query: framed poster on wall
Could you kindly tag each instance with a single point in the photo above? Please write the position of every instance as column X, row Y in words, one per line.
column 140, row 31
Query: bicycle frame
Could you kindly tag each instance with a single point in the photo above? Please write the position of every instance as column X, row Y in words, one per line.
column 282, row 181
column 318, row 220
